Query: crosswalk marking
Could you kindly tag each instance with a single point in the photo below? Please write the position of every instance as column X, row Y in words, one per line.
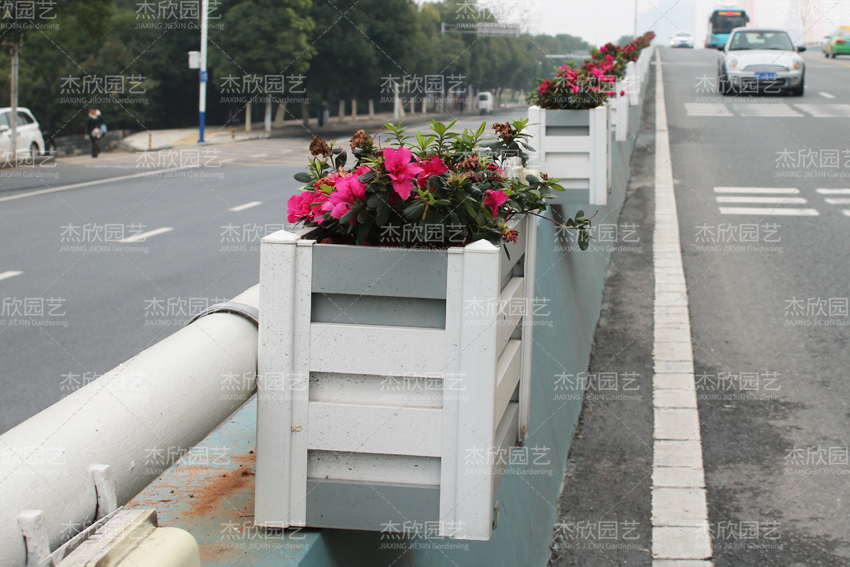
column 844, row 201
column 706, row 109
column 765, row 200
column 775, row 110
column 9, row 274
column 768, row 211
column 757, row 190
column 767, row 110
column 826, row 95
column 826, row 110
column 834, row 191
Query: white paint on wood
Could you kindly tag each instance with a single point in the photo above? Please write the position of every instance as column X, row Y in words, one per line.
column 508, row 373
column 336, row 465
column 359, row 428
column 375, row 349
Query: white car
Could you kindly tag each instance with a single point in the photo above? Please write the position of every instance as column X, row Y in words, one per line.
column 485, row 103
column 30, row 140
column 761, row 60
column 682, row 39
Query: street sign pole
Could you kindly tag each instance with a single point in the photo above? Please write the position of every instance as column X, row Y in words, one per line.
column 202, row 99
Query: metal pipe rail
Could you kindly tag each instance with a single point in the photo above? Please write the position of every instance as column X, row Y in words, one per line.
column 94, row 450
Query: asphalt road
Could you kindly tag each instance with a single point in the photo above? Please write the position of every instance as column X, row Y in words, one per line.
column 763, row 234
column 85, row 302
column 772, row 386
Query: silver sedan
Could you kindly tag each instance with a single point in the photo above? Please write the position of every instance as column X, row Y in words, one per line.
column 761, row 60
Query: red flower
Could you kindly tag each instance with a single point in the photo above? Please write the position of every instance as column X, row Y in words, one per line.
column 494, row 200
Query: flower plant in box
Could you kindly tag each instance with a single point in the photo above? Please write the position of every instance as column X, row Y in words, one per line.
column 432, row 190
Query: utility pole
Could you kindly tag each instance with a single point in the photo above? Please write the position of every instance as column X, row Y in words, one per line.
column 202, row 99
column 15, row 52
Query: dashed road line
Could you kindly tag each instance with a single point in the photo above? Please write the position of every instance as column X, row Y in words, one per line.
column 680, row 534
column 834, row 191
column 826, row 95
column 839, row 201
column 245, row 206
column 144, row 235
column 9, row 274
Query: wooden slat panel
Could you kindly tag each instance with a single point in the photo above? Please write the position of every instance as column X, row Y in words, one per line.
column 568, row 144
column 366, row 467
column 505, row 439
column 375, row 429
column 508, row 374
column 511, row 309
column 372, row 349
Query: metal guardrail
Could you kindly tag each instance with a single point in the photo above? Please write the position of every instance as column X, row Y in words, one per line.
column 84, row 456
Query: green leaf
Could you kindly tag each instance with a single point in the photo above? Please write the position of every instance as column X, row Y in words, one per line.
column 348, row 217
column 303, row 177
column 363, row 217
column 579, row 214
column 363, row 232
column 374, row 200
column 531, row 179
column 413, row 212
column 557, row 187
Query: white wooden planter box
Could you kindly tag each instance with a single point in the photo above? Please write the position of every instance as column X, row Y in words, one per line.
column 572, row 145
column 344, row 438
column 619, row 108
column 633, row 83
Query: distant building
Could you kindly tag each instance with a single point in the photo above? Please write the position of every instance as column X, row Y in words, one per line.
column 670, row 18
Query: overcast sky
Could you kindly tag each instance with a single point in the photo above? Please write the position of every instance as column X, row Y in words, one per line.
column 600, row 21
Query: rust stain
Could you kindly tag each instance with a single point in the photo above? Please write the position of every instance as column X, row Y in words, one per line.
column 207, row 496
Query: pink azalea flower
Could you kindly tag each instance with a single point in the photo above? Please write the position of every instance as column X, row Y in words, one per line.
column 349, row 190
column 434, row 166
column 494, row 200
column 401, row 170
column 306, row 206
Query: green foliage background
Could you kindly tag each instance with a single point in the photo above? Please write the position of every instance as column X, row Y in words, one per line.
column 345, row 50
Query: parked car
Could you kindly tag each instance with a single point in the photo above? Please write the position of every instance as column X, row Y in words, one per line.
column 485, row 103
column 30, row 140
column 682, row 39
column 761, row 60
column 838, row 43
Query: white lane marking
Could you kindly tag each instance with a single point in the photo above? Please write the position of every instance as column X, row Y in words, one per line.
column 706, row 109
column 756, row 190
column 846, row 212
column 260, row 155
column 98, row 182
column 834, row 191
column 141, row 237
column 843, row 201
column 245, row 206
column 762, row 200
column 826, row 95
column 9, row 274
column 826, row 110
column 768, row 211
column 679, row 504
column 767, row 111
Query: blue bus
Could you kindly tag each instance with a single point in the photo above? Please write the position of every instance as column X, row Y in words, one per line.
column 721, row 22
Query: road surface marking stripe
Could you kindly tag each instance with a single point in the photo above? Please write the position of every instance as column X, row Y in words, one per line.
column 756, row 190
column 246, row 206
column 834, row 191
column 141, row 237
column 98, row 182
column 844, row 201
column 679, row 504
column 768, row 211
column 846, row 212
column 764, row 200
column 826, row 95
column 261, row 155
column 9, row 274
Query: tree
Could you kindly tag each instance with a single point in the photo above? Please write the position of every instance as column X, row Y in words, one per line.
column 259, row 38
